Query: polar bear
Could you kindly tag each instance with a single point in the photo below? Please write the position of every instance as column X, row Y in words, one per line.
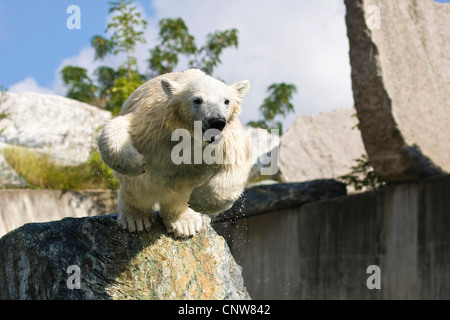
column 139, row 146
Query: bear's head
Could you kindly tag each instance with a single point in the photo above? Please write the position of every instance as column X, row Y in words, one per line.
column 207, row 100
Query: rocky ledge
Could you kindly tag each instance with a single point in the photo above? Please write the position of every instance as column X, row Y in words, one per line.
column 92, row 258
column 279, row 196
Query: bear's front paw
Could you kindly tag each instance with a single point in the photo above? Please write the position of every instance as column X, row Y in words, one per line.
column 133, row 224
column 132, row 163
column 184, row 225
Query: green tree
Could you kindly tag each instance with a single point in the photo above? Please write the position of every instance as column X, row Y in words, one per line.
column 175, row 40
column 127, row 27
column 124, row 85
column 81, row 87
column 207, row 58
column 278, row 102
column 102, row 47
column 125, row 34
column 112, row 87
column 105, row 81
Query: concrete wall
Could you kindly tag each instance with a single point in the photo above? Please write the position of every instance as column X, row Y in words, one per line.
column 321, row 250
column 18, row 207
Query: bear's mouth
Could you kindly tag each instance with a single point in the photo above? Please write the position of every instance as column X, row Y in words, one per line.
column 212, row 136
column 212, row 129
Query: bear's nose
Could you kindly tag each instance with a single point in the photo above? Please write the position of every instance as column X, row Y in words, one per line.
column 217, row 123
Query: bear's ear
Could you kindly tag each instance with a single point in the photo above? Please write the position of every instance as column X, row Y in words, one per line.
column 241, row 88
column 169, row 87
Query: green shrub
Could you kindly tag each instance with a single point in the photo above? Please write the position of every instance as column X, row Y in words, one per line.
column 362, row 176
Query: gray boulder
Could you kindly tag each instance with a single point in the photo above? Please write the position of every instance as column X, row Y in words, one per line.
column 65, row 129
column 400, row 59
column 321, row 146
column 52, row 260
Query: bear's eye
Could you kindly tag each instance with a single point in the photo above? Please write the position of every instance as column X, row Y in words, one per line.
column 198, row 101
column 227, row 102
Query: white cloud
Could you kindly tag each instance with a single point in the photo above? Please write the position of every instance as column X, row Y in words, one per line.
column 297, row 41
column 28, row 85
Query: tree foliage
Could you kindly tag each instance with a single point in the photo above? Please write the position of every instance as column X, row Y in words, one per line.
column 80, row 86
column 105, row 79
column 127, row 27
column 112, row 86
column 124, row 85
column 207, row 58
column 102, row 47
column 362, row 176
column 109, row 88
column 175, row 40
column 277, row 103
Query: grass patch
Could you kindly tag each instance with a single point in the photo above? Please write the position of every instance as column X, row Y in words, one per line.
column 40, row 172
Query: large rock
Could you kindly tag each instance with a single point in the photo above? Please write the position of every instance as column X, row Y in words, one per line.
column 400, row 58
column 64, row 128
column 36, row 260
column 322, row 146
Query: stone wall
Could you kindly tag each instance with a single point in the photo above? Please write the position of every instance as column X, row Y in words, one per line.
column 321, row 250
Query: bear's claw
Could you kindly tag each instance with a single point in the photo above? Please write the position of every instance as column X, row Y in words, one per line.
column 188, row 224
column 134, row 224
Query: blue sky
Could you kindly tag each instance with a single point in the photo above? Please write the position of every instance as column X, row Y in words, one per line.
column 34, row 38
column 296, row 41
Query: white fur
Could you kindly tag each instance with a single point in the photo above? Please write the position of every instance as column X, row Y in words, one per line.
column 139, row 140
column 121, row 155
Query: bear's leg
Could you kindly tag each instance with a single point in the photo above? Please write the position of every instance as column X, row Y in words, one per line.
column 179, row 218
column 130, row 217
column 221, row 191
column 117, row 150
column 227, row 184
